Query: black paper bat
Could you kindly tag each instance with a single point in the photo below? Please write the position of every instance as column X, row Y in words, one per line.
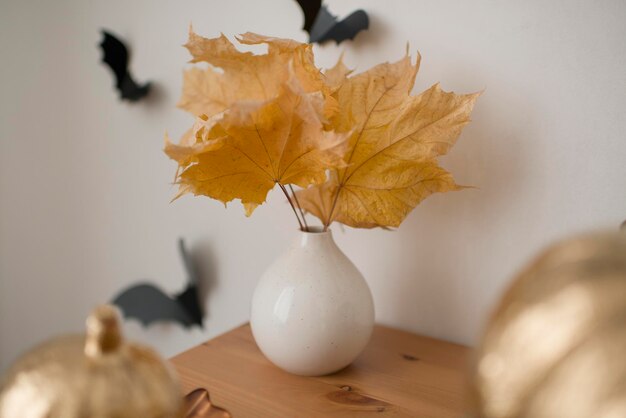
column 148, row 304
column 323, row 26
column 116, row 56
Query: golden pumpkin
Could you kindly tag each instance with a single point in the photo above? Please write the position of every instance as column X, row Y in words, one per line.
column 92, row 376
column 556, row 344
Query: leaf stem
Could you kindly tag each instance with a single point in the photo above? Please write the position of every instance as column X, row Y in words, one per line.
column 295, row 197
column 292, row 206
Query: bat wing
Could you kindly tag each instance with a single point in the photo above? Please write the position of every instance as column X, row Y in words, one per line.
column 310, row 8
column 190, row 297
column 348, row 27
column 324, row 23
column 116, row 56
column 132, row 91
column 149, row 304
column 189, row 300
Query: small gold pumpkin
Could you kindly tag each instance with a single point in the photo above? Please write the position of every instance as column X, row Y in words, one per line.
column 556, row 344
column 92, row 376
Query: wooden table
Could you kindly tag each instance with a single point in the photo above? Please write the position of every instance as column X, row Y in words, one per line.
column 399, row 375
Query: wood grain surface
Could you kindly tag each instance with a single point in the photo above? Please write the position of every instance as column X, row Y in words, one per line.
column 399, row 375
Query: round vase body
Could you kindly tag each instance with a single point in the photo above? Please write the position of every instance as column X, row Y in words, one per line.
column 312, row 311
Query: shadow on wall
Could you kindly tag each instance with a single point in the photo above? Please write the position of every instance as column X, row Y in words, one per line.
column 376, row 35
column 158, row 96
column 205, row 259
column 443, row 289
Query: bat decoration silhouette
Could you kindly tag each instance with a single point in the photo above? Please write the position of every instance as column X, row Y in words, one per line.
column 116, row 56
column 323, row 26
column 149, row 304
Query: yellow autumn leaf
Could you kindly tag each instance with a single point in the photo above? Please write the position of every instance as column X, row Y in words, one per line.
column 253, row 146
column 391, row 157
column 318, row 200
column 336, row 75
column 191, row 144
column 202, row 92
column 244, row 75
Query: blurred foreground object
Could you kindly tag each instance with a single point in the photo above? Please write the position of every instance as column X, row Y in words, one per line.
column 97, row 376
column 556, row 344
column 198, row 405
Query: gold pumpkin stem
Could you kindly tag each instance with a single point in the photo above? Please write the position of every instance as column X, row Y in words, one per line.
column 103, row 331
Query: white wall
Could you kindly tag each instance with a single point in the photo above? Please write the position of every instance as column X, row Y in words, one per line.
column 84, row 186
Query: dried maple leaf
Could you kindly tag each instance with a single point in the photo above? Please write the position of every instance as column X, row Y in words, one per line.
column 245, row 76
column 335, row 76
column 203, row 93
column 191, row 144
column 246, row 151
column 273, row 119
column 391, row 157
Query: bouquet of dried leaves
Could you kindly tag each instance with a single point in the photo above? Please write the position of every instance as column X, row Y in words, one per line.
column 360, row 148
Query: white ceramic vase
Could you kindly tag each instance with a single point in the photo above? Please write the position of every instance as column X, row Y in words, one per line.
column 312, row 311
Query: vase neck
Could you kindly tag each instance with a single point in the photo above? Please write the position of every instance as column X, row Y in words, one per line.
column 316, row 238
